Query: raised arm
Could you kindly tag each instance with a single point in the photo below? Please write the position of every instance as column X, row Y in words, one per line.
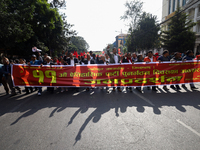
column 108, row 52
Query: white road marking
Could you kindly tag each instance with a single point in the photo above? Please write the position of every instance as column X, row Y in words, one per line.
column 188, row 127
column 144, row 98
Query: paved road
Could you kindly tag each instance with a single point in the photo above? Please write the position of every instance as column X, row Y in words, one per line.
column 100, row 120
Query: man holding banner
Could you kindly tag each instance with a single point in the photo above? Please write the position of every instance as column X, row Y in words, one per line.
column 34, row 61
column 189, row 56
column 150, row 58
column 114, row 59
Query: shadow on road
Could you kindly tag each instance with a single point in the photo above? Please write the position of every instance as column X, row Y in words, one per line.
column 98, row 99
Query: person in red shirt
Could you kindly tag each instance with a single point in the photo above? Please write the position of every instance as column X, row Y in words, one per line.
column 197, row 57
column 150, row 57
column 56, row 61
column 156, row 55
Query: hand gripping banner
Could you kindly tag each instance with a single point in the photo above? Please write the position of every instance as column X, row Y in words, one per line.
column 131, row 75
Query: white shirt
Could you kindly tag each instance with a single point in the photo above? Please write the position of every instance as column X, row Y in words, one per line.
column 89, row 62
column 72, row 62
column 116, row 58
column 105, row 63
column 48, row 63
column 108, row 60
column 151, row 59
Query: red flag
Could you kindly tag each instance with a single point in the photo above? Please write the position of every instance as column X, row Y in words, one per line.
column 76, row 54
column 81, row 54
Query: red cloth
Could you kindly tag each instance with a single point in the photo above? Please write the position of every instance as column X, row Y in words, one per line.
column 149, row 60
column 197, row 57
column 157, row 57
column 129, row 59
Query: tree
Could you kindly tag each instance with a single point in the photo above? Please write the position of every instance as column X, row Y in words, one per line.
column 179, row 37
column 15, row 24
column 79, row 43
column 133, row 12
column 28, row 23
column 57, row 3
column 145, row 36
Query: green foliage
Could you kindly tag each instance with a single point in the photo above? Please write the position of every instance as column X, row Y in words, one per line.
column 179, row 37
column 28, row 23
column 133, row 12
column 57, row 3
column 78, row 44
column 15, row 24
column 145, row 36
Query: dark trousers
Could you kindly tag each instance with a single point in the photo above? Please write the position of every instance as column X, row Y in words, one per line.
column 28, row 88
column 3, row 81
column 10, row 83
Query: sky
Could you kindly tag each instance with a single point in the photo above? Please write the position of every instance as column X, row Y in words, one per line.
column 98, row 21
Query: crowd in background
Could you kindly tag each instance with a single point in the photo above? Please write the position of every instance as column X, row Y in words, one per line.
column 73, row 59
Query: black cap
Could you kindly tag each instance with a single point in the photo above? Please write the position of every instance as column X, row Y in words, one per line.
column 33, row 55
column 91, row 52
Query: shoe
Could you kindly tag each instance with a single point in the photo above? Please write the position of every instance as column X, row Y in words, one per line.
column 154, row 89
column 31, row 90
column 165, row 88
column 7, row 93
column 87, row 89
column 39, row 94
column 139, row 90
column 13, row 94
column 172, row 86
column 20, row 92
column 62, row 91
column 114, row 89
column 178, row 88
column 193, row 88
column 183, row 86
column 119, row 90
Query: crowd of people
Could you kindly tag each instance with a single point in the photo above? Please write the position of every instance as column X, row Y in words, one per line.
column 68, row 58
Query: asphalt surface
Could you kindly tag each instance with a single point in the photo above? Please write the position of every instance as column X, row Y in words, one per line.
column 95, row 120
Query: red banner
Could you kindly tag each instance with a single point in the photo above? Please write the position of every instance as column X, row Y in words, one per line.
column 141, row 74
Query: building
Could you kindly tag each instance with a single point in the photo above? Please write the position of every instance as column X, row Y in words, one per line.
column 169, row 8
column 121, row 40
